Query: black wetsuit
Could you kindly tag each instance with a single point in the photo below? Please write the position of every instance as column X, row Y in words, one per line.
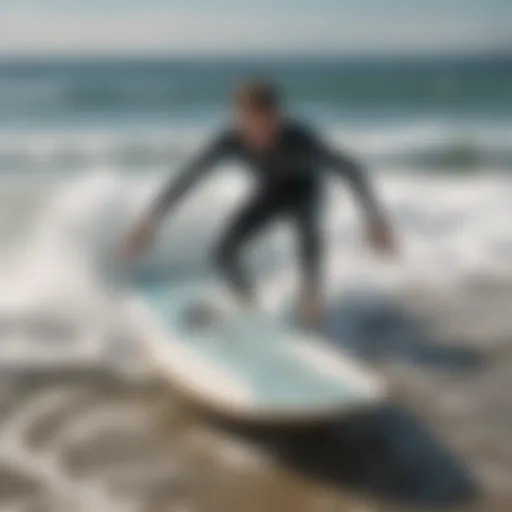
column 288, row 183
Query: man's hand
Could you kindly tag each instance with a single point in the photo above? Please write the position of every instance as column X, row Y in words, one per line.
column 138, row 239
column 382, row 238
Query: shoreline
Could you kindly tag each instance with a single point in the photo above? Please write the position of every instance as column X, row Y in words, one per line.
column 109, row 444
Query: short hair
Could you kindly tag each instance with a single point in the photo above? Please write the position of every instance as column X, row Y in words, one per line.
column 258, row 95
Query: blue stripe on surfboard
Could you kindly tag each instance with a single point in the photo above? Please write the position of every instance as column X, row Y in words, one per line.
column 253, row 349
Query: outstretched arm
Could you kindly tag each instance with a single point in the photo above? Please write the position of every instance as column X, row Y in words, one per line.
column 356, row 177
column 380, row 233
column 187, row 177
column 141, row 234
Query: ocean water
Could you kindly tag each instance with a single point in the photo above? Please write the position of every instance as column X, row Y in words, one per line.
column 85, row 144
column 64, row 115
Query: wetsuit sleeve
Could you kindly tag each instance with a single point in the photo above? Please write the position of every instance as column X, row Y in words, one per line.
column 354, row 173
column 189, row 175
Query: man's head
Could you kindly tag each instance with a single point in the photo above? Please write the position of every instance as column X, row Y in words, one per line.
column 257, row 112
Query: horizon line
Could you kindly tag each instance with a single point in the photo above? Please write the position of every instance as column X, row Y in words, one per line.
column 257, row 55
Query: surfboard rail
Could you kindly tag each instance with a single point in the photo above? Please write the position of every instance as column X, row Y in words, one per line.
column 200, row 382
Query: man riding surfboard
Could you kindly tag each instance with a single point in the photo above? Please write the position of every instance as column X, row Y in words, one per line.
column 287, row 159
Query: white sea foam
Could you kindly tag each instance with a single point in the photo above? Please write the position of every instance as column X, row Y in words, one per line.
column 65, row 284
column 433, row 143
column 65, row 303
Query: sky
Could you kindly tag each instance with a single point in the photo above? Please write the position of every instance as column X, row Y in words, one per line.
column 343, row 27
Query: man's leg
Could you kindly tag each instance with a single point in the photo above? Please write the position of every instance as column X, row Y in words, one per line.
column 254, row 215
column 306, row 216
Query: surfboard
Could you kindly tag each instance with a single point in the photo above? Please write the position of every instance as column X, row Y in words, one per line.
column 247, row 364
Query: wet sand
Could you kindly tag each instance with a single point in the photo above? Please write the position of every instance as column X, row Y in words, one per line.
column 96, row 441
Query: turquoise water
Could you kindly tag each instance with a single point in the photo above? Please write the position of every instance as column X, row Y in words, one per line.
column 120, row 89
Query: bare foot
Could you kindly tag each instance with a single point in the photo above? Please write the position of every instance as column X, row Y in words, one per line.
column 311, row 311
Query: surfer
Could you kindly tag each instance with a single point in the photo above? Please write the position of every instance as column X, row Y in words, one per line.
column 287, row 159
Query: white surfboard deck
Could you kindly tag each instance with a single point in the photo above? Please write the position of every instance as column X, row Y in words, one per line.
column 249, row 365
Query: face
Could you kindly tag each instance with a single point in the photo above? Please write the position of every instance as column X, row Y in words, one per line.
column 259, row 128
